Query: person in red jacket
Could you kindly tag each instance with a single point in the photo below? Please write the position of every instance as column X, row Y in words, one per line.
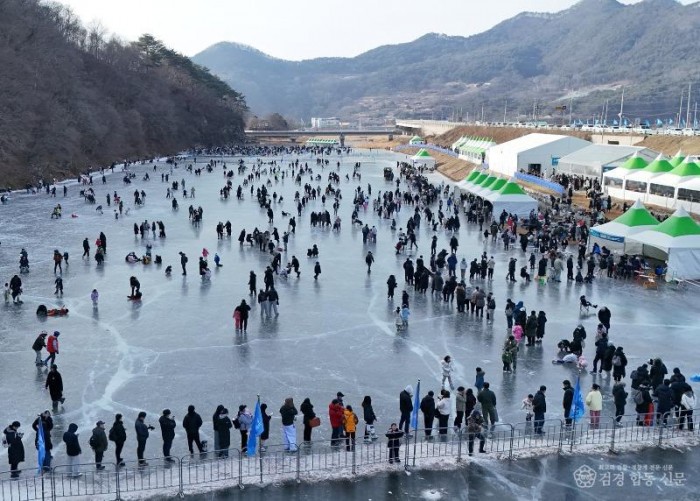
column 336, row 413
column 52, row 348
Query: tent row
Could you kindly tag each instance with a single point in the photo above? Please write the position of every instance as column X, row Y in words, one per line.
column 316, row 141
column 675, row 241
column 473, row 149
column 502, row 194
column 664, row 182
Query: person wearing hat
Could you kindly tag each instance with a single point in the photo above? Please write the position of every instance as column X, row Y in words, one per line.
column 54, row 383
column 340, row 396
column 167, row 430
column 594, row 402
column 567, row 401
column 142, row 430
column 99, row 443
column 39, row 343
column 15, row 448
column 73, row 450
column 52, row 348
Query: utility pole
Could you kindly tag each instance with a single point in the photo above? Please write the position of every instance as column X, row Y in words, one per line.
column 482, row 114
column 680, row 110
column 622, row 105
column 571, row 112
column 687, row 113
column 695, row 114
column 505, row 111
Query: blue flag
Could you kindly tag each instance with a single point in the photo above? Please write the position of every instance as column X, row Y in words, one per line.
column 256, row 429
column 40, row 446
column 416, row 405
column 579, row 408
column 659, row 121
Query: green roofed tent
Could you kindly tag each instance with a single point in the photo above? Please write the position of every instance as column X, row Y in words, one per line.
column 498, row 184
column 634, row 162
column 613, row 234
column 686, row 168
column 676, row 240
column 677, row 159
column 658, row 166
column 423, row 158
column 416, row 140
column 473, row 175
column 483, row 188
column 512, row 199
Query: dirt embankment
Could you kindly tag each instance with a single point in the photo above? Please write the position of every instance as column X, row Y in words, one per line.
column 670, row 145
column 499, row 134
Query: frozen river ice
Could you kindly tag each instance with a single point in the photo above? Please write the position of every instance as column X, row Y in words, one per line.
column 178, row 345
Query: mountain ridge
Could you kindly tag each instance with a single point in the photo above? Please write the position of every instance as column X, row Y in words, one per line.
column 650, row 47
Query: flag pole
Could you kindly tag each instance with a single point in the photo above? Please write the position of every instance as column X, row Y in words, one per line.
column 259, row 447
column 415, row 429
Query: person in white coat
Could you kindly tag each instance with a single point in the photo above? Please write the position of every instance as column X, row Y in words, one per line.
column 447, row 371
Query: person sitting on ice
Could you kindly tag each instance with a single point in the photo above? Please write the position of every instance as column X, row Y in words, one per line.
column 131, row 257
column 569, row 358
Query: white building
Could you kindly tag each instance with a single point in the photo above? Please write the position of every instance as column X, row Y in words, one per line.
column 596, row 159
column 325, row 123
column 532, row 154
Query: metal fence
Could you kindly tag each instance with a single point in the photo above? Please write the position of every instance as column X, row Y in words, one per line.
column 320, row 459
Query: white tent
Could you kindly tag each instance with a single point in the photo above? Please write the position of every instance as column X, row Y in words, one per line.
column 513, row 200
column 423, row 159
column 483, row 189
column 613, row 234
column 637, row 183
column 663, row 188
column 676, row 240
column 614, row 180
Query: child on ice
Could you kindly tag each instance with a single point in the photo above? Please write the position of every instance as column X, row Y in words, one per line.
column 398, row 319
column 527, row 407
column 405, row 313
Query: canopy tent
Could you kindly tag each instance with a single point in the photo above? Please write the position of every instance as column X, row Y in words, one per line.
column 476, row 182
column 416, row 140
column 316, row 141
column 513, row 199
column 663, row 188
column 614, row 180
column 483, row 188
column 494, row 188
column 677, row 159
column 676, row 240
column 613, row 234
column 472, row 148
column 423, row 158
column 473, row 175
column 637, row 183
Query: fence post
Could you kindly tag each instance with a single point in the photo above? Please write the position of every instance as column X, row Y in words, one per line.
column 53, row 484
column 612, row 439
column 561, row 437
column 240, row 471
column 116, row 483
column 298, row 454
column 181, row 492
column 660, row 426
column 459, row 445
column 354, row 459
column 572, row 436
column 512, row 439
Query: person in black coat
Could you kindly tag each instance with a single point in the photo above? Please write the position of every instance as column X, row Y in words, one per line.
column 620, row 396
column 224, row 426
column 117, row 434
column 644, row 407
column 619, row 361
column 167, row 430
column 568, row 401
column 73, row 450
column 539, row 407
column 307, row 410
column 369, row 417
column 406, row 407
column 47, row 425
column 54, row 382
column 427, row 407
column 15, row 448
column 394, row 442
column 604, row 317
column 265, row 435
column 391, row 285
column 142, row 434
column 664, row 405
column 191, row 424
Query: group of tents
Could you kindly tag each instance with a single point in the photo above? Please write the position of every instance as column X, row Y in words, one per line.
column 675, row 241
column 664, row 182
column 501, row 193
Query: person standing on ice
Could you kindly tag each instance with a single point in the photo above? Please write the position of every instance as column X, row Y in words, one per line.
column 369, row 259
column 52, row 348
column 39, row 343
column 191, row 424
column 142, row 432
column 446, row 365
column 183, row 262
column 54, row 384
column 406, row 407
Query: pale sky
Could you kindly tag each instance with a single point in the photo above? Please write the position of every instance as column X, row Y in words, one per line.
column 303, row 29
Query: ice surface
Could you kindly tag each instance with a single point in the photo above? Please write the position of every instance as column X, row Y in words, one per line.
column 178, row 345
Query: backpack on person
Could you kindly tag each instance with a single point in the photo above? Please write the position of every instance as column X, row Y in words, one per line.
column 237, row 424
column 617, row 361
column 638, row 398
column 92, row 442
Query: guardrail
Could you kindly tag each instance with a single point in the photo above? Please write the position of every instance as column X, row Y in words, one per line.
column 194, row 473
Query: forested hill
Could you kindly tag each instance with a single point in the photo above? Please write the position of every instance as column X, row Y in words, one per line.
column 71, row 99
